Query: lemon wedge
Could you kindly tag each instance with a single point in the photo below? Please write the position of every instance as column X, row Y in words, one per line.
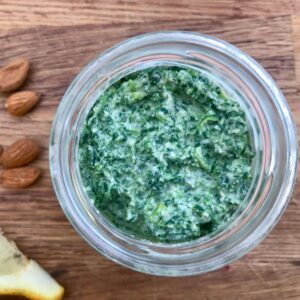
column 24, row 277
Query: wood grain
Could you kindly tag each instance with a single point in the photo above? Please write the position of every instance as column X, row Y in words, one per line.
column 33, row 217
column 296, row 40
column 22, row 13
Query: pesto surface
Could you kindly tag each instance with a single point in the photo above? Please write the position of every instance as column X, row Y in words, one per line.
column 165, row 154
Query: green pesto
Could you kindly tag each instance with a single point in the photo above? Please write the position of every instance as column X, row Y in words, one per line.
column 165, row 154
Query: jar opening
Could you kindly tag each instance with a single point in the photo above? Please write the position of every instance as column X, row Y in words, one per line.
column 272, row 133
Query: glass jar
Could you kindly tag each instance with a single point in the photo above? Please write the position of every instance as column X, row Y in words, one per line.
column 273, row 135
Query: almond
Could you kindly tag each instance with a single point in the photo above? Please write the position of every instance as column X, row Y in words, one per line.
column 13, row 75
column 18, row 104
column 19, row 178
column 1, row 151
column 20, row 153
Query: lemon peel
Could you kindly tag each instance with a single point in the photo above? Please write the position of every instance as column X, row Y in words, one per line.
column 24, row 277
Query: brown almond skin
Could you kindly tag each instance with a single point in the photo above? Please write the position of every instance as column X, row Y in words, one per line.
column 19, row 178
column 13, row 75
column 20, row 153
column 20, row 103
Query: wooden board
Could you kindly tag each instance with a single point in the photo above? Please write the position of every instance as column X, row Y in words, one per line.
column 33, row 217
column 20, row 13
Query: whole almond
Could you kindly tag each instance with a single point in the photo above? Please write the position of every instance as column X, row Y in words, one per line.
column 19, row 178
column 20, row 153
column 20, row 103
column 13, row 75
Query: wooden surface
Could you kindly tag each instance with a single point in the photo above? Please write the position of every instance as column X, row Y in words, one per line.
column 59, row 37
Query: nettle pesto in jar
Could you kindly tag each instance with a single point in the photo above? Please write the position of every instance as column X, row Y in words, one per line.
column 165, row 154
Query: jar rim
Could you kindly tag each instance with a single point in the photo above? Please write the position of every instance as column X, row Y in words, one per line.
column 61, row 136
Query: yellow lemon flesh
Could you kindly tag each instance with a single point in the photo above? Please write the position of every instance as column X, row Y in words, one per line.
column 24, row 277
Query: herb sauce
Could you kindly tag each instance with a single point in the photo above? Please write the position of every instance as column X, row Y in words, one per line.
column 165, row 154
